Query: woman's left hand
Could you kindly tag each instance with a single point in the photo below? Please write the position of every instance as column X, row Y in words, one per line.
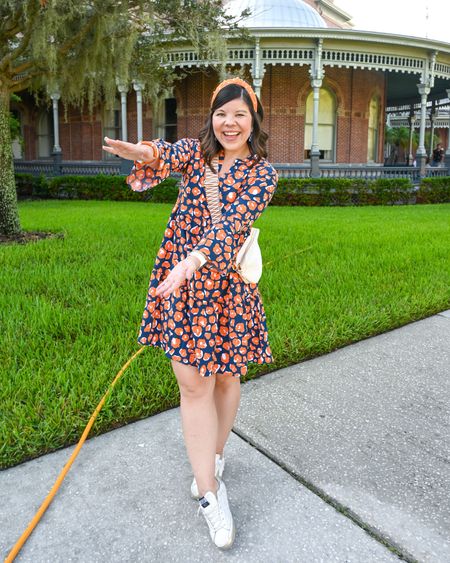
column 184, row 270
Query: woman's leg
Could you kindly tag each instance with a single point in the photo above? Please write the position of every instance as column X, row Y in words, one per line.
column 199, row 422
column 227, row 395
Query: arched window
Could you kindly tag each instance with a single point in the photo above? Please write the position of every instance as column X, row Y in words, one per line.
column 372, row 138
column 327, row 125
column 45, row 134
column 166, row 120
column 112, row 126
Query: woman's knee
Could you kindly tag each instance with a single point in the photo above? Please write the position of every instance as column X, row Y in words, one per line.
column 192, row 385
column 226, row 381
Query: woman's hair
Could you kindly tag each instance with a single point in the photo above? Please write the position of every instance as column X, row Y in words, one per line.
column 211, row 146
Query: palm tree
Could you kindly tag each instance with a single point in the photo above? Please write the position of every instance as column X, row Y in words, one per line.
column 396, row 138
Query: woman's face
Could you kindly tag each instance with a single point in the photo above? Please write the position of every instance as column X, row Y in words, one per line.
column 232, row 125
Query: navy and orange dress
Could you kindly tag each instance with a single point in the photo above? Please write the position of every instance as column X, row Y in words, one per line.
column 214, row 321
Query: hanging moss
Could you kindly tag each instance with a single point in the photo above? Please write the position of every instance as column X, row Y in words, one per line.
column 82, row 49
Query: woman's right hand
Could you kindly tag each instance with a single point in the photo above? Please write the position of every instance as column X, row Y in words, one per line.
column 130, row 151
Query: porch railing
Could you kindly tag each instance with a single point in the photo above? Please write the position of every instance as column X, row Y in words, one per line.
column 122, row 167
column 357, row 171
column 76, row 168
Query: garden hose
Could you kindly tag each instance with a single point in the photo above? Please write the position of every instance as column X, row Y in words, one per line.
column 23, row 538
column 32, row 525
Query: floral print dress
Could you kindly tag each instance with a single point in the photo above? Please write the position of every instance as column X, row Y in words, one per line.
column 214, row 321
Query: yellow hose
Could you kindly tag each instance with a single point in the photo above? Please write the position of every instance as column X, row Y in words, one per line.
column 23, row 538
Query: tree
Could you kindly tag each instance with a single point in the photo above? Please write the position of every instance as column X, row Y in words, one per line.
column 81, row 48
column 398, row 137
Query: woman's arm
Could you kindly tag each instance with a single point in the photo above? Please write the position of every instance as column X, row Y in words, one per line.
column 172, row 157
column 141, row 151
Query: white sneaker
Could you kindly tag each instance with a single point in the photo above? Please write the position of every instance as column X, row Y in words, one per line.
column 217, row 514
column 220, row 466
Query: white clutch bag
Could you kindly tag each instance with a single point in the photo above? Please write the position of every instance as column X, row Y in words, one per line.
column 249, row 259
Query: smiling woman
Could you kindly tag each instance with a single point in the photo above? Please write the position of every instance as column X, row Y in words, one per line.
column 199, row 309
column 234, row 125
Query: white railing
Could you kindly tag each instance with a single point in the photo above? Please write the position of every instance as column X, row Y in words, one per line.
column 356, row 171
column 122, row 167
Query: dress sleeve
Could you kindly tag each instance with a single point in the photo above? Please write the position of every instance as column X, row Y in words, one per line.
column 174, row 157
column 220, row 244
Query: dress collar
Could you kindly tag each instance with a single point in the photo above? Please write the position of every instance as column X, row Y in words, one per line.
column 247, row 159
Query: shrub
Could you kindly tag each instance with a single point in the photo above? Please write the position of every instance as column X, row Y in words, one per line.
column 291, row 191
column 93, row 187
column 342, row 191
column 27, row 185
column 434, row 190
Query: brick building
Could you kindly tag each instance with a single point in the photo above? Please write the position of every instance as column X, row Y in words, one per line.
column 326, row 90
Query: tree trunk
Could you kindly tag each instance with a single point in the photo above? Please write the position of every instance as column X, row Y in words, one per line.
column 9, row 213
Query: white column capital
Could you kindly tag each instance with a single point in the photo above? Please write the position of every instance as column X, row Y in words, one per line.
column 316, row 82
column 257, row 84
column 138, row 86
column 55, row 96
column 121, row 84
column 424, row 89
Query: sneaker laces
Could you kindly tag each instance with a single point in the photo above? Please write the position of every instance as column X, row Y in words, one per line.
column 216, row 517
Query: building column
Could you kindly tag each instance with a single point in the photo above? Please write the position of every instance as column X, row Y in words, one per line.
column 256, row 70
column 421, row 153
column 412, row 121
column 123, row 110
column 55, row 98
column 447, row 152
column 57, row 152
column 432, row 122
column 138, row 88
column 316, row 83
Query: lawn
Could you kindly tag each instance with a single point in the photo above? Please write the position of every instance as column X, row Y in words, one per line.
column 70, row 308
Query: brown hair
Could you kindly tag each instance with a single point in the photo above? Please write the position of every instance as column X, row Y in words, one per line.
column 211, row 146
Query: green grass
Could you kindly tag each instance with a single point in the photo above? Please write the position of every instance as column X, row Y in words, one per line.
column 70, row 308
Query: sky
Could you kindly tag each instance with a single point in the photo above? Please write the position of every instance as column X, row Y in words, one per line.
column 405, row 17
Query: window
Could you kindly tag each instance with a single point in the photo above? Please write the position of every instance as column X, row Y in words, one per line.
column 170, row 124
column 112, row 126
column 45, row 140
column 166, row 120
column 372, row 139
column 327, row 125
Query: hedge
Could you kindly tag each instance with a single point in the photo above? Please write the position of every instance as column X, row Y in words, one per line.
column 92, row 187
column 342, row 191
column 290, row 191
column 434, row 190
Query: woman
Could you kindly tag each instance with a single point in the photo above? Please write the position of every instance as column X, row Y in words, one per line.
column 209, row 322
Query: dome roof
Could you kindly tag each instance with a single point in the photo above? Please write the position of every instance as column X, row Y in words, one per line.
column 276, row 13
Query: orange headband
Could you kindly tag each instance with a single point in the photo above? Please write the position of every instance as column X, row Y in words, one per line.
column 239, row 82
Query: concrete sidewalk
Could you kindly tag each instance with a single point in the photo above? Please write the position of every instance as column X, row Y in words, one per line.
column 343, row 458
